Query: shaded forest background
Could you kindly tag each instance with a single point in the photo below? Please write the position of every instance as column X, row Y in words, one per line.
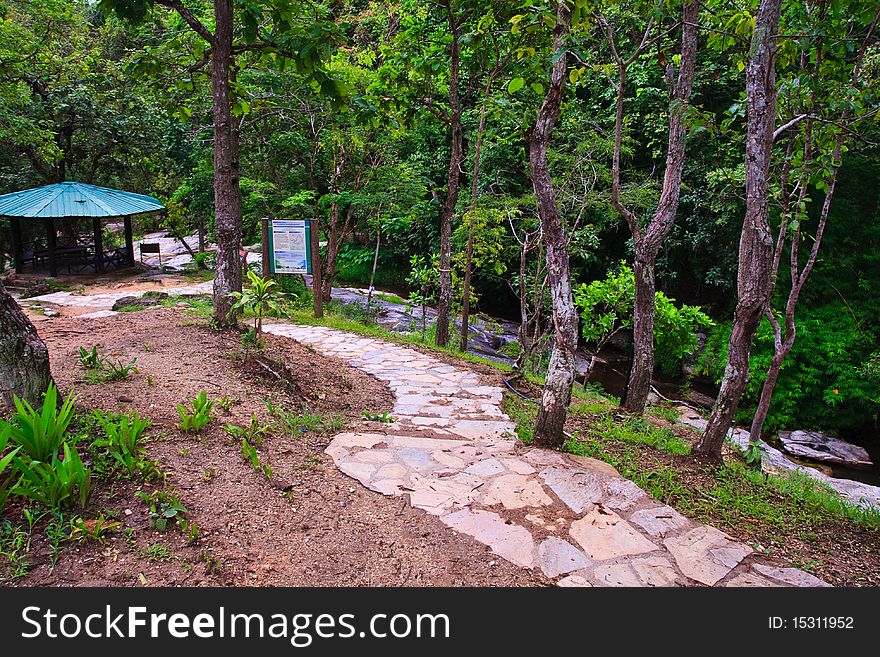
column 362, row 142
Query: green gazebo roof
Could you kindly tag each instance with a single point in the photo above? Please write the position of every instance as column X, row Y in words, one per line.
column 73, row 199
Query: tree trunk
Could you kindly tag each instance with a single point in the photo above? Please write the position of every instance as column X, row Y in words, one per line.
column 767, row 394
column 375, row 262
column 444, row 298
column 638, row 385
column 560, row 375
column 24, row 359
column 647, row 246
column 756, row 240
column 227, row 193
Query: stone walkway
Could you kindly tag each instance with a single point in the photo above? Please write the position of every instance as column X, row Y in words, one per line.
column 453, row 452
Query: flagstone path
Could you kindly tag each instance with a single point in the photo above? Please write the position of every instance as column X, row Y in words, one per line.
column 453, row 452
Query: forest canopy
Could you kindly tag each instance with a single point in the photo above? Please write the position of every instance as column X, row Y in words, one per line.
column 359, row 113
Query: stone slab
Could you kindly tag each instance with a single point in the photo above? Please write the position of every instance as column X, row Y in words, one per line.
column 605, row 535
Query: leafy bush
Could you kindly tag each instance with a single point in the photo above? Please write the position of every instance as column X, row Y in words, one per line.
column 827, row 381
column 40, row 433
column 55, row 482
column 193, row 421
column 606, row 308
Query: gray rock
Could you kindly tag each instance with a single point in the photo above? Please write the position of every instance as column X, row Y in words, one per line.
column 790, row 576
column 605, row 535
column 819, row 446
column 659, row 521
column 511, row 541
column 558, row 557
column 706, row 554
column 122, row 302
column 577, row 488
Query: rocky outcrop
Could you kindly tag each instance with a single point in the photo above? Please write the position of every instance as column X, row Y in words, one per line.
column 818, row 446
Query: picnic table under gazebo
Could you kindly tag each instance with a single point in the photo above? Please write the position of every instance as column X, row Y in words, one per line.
column 73, row 201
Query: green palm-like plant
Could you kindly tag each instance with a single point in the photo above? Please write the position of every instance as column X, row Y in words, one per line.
column 55, row 482
column 4, row 463
column 262, row 295
column 40, row 434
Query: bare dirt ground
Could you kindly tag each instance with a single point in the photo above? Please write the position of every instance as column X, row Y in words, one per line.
column 310, row 525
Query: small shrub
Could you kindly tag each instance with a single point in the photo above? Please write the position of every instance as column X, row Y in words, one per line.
column 123, row 438
column 262, row 295
column 40, row 433
column 253, row 433
column 164, row 507
column 55, row 482
column 118, row 371
column 90, row 360
column 92, row 530
column 194, row 420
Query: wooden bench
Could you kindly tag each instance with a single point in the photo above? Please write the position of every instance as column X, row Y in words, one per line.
column 150, row 247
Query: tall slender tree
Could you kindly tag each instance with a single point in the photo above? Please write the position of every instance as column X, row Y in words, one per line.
column 556, row 394
column 756, row 240
column 648, row 240
column 793, row 202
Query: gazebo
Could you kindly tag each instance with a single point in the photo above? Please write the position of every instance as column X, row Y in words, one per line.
column 73, row 200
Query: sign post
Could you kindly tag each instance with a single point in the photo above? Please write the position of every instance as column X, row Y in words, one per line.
column 288, row 246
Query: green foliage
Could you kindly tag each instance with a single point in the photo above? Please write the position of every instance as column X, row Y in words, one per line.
column 836, row 391
column 40, row 434
column 119, row 371
column 95, row 530
column 123, row 439
column 254, row 433
column 55, row 482
column 253, row 457
column 606, row 308
column 90, row 360
column 194, row 419
column 262, row 295
column 6, row 458
column 384, row 417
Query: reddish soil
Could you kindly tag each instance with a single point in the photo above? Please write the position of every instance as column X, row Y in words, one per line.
column 310, row 525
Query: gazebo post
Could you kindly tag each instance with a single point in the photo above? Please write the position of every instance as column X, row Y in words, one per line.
column 17, row 247
column 50, row 244
column 129, row 241
column 99, row 245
